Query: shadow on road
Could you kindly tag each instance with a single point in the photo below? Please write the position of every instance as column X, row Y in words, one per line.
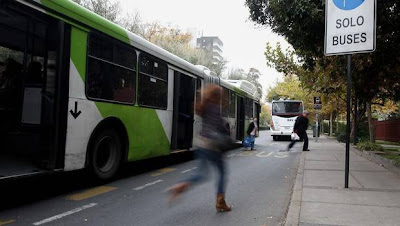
column 23, row 191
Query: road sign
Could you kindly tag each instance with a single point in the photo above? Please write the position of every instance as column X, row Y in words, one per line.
column 317, row 100
column 349, row 26
column 317, row 103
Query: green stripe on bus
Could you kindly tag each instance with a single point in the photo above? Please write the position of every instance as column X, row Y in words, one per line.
column 76, row 12
column 146, row 134
column 78, row 51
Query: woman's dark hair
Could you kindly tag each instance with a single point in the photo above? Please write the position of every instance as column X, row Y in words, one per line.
column 211, row 94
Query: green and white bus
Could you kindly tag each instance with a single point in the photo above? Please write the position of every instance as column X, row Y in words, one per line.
column 78, row 91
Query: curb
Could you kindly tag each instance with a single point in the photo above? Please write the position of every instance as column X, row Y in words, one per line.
column 293, row 214
column 388, row 164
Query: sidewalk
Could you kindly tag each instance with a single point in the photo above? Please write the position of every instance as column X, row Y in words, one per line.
column 319, row 196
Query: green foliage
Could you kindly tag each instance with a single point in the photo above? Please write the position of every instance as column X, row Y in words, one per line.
column 375, row 76
column 280, row 60
column 290, row 88
column 369, row 146
column 340, row 131
column 301, row 22
column 265, row 115
column 341, row 137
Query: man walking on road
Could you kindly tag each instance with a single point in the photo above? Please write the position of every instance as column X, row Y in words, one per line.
column 300, row 127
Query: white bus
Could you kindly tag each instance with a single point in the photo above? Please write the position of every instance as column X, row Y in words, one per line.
column 284, row 114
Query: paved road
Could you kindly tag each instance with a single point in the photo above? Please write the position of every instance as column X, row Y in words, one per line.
column 259, row 190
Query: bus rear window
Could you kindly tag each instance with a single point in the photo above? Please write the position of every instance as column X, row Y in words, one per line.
column 287, row 108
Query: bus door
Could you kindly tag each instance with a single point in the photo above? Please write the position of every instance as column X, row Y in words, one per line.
column 240, row 118
column 197, row 119
column 29, row 65
column 183, row 116
column 257, row 110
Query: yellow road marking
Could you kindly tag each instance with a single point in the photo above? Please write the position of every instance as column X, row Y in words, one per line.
column 281, row 155
column 263, row 155
column 162, row 171
column 247, row 153
column 90, row 193
column 6, row 222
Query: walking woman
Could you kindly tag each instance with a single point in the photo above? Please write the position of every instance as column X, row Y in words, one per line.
column 208, row 147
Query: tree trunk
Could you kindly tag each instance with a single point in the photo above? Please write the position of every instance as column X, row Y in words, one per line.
column 370, row 125
column 322, row 125
column 331, row 124
column 337, row 122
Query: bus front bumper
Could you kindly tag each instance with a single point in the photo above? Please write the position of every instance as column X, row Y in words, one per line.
column 281, row 133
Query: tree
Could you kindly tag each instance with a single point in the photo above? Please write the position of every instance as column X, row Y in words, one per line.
column 172, row 39
column 236, row 74
column 374, row 75
column 133, row 23
column 218, row 67
column 252, row 76
column 289, row 89
column 106, row 8
column 265, row 115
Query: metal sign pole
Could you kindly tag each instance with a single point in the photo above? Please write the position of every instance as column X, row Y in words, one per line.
column 316, row 125
column 346, row 182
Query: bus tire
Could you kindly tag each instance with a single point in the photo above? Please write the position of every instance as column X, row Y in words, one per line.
column 105, row 154
column 275, row 138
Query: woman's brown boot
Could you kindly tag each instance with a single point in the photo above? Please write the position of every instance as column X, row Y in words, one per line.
column 176, row 190
column 221, row 204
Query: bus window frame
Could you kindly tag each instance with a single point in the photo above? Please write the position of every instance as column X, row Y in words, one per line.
column 120, row 43
column 290, row 113
column 159, row 61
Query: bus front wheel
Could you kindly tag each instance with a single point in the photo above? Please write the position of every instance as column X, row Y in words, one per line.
column 105, row 155
column 275, row 138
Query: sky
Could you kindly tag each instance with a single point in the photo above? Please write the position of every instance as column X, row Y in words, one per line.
column 244, row 42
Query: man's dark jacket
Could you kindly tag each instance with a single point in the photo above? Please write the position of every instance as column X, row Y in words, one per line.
column 301, row 124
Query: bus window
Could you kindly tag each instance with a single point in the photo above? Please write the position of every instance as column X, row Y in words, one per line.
column 225, row 102
column 249, row 108
column 153, row 82
column 232, row 104
column 111, row 70
column 198, row 90
column 287, row 108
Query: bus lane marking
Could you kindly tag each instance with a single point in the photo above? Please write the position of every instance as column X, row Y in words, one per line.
column 262, row 155
column 188, row 170
column 246, row 153
column 59, row 216
column 162, row 171
column 281, row 155
column 90, row 193
column 6, row 222
column 147, row 185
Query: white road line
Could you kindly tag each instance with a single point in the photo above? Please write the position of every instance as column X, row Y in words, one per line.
column 146, row 185
column 59, row 216
column 188, row 170
column 231, row 155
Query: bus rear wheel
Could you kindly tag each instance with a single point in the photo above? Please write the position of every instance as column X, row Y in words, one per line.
column 105, row 154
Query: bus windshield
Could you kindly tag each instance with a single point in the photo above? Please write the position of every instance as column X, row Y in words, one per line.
column 287, row 108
